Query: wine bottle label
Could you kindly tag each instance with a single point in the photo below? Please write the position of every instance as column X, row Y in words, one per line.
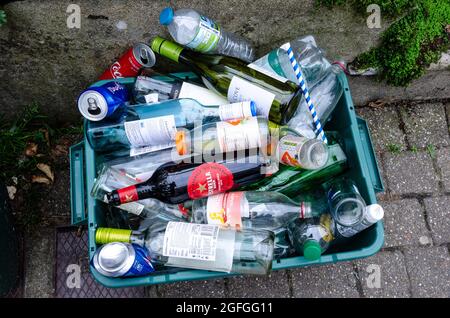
column 133, row 208
column 236, row 111
column 203, row 95
column 207, row 37
column 238, row 134
column 289, row 150
column 209, row 179
column 268, row 73
column 128, row 194
column 151, row 98
column 151, row 131
column 241, row 90
column 146, row 149
column 191, row 241
column 227, row 209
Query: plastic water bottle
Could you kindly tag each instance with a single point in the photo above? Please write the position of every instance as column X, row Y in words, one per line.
column 191, row 29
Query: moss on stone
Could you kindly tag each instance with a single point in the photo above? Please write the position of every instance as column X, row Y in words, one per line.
column 411, row 43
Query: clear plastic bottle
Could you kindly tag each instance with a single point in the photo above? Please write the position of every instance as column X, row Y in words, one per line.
column 201, row 246
column 311, row 237
column 189, row 28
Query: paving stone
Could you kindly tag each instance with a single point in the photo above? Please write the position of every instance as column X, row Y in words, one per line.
column 438, row 211
column 393, row 277
column 275, row 285
column 443, row 161
column 429, row 271
column 327, row 281
column 447, row 111
column 410, row 172
column 404, row 223
column 425, row 124
column 39, row 262
column 384, row 125
column 193, row 289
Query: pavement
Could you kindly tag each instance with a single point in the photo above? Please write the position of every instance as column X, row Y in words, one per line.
column 412, row 144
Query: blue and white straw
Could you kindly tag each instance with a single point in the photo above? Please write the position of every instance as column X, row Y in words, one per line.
column 287, row 47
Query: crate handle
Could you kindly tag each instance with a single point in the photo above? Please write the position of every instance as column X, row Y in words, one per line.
column 77, row 184
column 369, row 153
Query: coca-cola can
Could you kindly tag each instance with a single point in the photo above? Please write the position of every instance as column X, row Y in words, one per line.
column 129, row 64
column 97, row 103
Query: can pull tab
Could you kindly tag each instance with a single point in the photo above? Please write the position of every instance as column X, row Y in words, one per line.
column 144, row 56
column 93, row 108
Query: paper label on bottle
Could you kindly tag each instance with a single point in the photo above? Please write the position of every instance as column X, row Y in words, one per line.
column 326, row 227
column 191, row 241
column 151, row 131
column 133, row 208
column 203, row 95
column 128, row 194
column 207, row 37
column 289, row 150
column 241, row 134
column 235, row 111
column 241, row 90
column 227, row 209
column 151, row 98
column 268, row 73
column 209, row 179
column 146, row 149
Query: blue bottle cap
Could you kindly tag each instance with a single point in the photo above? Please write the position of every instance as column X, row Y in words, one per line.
column 166, row 16
column 253, row 108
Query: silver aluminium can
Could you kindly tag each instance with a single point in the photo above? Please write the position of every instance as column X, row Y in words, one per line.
column 114, row 259
column 93, row 105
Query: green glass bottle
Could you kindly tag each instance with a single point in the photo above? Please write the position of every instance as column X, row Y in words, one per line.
column 232, row 78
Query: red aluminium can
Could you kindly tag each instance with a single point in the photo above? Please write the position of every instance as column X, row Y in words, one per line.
column 129, row 64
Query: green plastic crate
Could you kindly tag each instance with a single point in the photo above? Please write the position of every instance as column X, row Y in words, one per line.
column 363, row 170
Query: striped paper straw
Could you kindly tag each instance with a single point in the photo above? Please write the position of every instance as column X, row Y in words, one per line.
column 287, row 47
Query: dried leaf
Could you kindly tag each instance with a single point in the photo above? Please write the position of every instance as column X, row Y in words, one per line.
column 47, row 170
column 31, row 149
column 60, row 150
column 40, row 179
column 15, row 180
column 12, row 190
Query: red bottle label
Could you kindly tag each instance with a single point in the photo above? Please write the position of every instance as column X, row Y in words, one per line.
column 128, row 194
column 209, row 179
column 126, row 66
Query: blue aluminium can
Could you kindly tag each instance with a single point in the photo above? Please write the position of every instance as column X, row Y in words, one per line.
column 97, row 103
column 119, row 259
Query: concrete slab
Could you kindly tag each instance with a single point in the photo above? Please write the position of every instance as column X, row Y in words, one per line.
column 392, row 280
column 438, row 212
column 425, row 124
column 410, row 172
column 193, row 289
column 273, row 286
column 336, row 280
column 384, row 125
column 429, row 271
column 404, row 223
column 443, row 162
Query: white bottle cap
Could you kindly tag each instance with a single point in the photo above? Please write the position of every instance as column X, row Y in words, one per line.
column 374, row 213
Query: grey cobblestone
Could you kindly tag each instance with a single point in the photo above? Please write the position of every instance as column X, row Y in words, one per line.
column 443, row 161
column 404, row 223
column 335, row 280
column 393, row 277
column 410, row 172
column 424, row 124
column 193, row 289
column 384, row 125
column 429, row 271
column 438, row 211
column 273, row 286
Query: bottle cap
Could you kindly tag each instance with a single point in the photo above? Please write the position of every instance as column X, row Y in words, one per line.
column 107, row 235
column 374, row 213
column 166, row 16
column 180, row 142
column 253, row 108
column 312, row 250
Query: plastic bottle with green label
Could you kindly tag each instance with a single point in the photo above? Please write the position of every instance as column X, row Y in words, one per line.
column 200, row 33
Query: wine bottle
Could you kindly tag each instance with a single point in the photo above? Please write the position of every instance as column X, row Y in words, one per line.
column 200, row 246
column 178, row 182
column 156, row 125
column 232, row 78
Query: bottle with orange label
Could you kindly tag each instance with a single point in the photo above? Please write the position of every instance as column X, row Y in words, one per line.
column 252, row 209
